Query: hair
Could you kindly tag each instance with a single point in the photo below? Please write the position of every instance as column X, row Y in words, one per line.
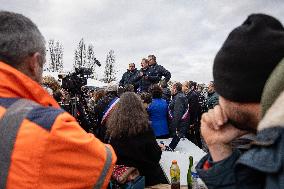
column 152, row 56
column 51, row 82
column 187, row 84
column 178, row 86
column 129, row 88
column 99, row 94
column 146, row 97
column 19, row 39
column 192, row 84
column 156, row 91
column 145, row 59
column 129, row 117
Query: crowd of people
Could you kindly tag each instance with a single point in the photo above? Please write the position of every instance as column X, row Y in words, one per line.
column 43, row 146
column 171, row 110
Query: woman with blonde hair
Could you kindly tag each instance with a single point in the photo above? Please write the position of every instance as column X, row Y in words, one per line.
column 133, row 140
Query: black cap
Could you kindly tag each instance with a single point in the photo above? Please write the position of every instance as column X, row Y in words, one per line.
column 247, row 57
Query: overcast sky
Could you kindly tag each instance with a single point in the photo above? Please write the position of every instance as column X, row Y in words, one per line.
column 184, row 35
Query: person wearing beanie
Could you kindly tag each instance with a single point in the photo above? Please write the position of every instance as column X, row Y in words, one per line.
column 241, row 68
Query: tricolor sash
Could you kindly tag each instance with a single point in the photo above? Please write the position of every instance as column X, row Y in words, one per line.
column 109, row 109
column 184, row 116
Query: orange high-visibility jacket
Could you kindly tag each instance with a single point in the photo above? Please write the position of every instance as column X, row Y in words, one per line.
column 50, row 149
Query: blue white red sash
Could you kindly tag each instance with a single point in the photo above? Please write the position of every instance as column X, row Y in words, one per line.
column 109, row 109
column 184, row 116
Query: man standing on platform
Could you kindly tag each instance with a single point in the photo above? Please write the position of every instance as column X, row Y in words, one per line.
column 156, row 69
column 145, row 78
column 129, row 76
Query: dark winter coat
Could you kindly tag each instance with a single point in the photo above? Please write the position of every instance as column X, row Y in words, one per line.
column 212, row 100
column 142, row 152
column 202, row 102
column 128, row 78
column 193, row 105
column 166, row 94
column 261, row 167
column 179, row 116
column 146, row 80
column 160, row 71
column 158, row 114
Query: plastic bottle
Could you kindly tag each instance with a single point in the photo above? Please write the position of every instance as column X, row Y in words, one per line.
column 195, row 177
column 189, row 175
column 175, row 175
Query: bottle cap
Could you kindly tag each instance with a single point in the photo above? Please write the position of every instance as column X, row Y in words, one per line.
column 174, row 162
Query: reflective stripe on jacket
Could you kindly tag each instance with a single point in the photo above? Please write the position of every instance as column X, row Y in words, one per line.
column 50, row 149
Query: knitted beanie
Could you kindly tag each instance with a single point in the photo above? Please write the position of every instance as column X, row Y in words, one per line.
column 247, row 57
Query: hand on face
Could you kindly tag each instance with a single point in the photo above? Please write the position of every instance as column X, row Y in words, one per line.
column 218, row 133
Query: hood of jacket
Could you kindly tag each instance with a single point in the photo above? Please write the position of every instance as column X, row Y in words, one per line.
column 15, row 84
column 274, row 117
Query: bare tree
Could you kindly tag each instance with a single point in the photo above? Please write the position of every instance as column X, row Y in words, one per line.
column 85, row 57
column 110, row 73
column 80, row 55
column 56, row 56
column 91, row 60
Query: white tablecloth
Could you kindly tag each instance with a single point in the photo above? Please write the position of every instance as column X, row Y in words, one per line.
column 184, row 149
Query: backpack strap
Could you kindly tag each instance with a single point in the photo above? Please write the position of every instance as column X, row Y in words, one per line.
column 9, row 126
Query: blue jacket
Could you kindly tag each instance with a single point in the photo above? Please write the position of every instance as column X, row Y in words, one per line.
column 158, row 112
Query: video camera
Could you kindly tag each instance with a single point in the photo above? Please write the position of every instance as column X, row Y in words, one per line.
column 73, row 82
